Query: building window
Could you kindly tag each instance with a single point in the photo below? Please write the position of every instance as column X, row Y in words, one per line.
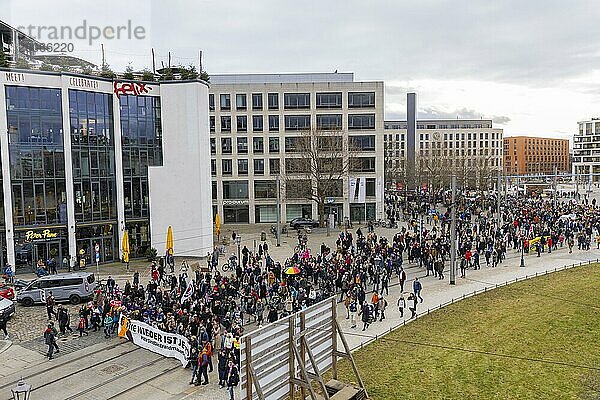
column 295, row 144
column 37, row 166
column 362, row 164
column 363, row 142
column 212, row 123
column 257, row 123
column 297, row 122
column 226, row 123
column 225, row 102
column 274, row 166
column 273, row 101
column 233, row 190
column 242, row 167
column 240, row 101
column 298, row 210
column 297, row 188
column 329, row 100
column 329, row 121
column 257, row 145
column 273, row 123
column 211, row 102
column 265, row 213
column 361, row 121
column 213, row 146
column 242, row 123
column 265, row 189
column 242, row 145
column 259, row 167
column 361, row 99
column 226, row 167
column 214, row 191
column 213, row 167
column 226, row 146
column 293, row 101
column 236, row 214
column 257, row 101
column 273, row 145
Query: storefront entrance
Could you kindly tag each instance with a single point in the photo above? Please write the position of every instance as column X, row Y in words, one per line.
column 101, row 235
column 40, row 244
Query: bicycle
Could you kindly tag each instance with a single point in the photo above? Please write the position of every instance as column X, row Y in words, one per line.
column 229, row 265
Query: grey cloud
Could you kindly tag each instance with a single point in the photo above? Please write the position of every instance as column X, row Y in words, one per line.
column 500, row 119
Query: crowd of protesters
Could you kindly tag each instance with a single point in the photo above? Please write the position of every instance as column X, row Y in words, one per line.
column 212, row 309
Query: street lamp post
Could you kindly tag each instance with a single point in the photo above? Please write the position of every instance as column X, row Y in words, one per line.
column 522, row 249
column 21, row 391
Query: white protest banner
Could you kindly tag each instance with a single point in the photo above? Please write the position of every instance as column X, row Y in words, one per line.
column 153, row 339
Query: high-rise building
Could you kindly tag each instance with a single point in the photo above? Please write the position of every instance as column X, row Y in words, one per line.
column 586, row 149
column 535, row 155
column 85, row 158
column 260, row 124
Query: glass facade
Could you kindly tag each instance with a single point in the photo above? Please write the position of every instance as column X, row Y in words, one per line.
column 94, row 180
column 37, row 169
column 142, row 147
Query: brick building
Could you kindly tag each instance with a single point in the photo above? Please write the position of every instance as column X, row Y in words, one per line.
column 535, row 155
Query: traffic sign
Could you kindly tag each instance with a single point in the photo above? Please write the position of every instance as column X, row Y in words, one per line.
column 97, row 257
column 97, row 248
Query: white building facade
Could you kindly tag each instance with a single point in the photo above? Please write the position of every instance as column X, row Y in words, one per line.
column 255, row 120
column 86, row 158
column 470, row 149
column 586, row 149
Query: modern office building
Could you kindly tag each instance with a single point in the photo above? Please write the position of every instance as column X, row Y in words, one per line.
column 259, row 125
column 586, row 149
column 84, row 158
column 469, row 149
column 527, row 155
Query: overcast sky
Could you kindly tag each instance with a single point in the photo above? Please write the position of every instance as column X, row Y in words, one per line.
column 532, row 66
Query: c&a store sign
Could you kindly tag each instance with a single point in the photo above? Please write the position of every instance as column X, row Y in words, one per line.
column 44, row 234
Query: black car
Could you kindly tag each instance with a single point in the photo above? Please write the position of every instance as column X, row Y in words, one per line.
column 300, row 222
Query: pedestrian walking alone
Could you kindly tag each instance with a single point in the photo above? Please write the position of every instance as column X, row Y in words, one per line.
column 50, row 340
column 417, row 287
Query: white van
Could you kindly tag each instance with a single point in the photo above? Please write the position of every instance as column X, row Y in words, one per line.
column 72, row 287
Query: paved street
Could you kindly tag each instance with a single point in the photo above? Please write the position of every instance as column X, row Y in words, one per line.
column 93, row 367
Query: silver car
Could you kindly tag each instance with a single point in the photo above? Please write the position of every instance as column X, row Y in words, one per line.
column 72, row 287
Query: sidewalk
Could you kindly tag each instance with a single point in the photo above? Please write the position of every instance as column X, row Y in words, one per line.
column 439, row 293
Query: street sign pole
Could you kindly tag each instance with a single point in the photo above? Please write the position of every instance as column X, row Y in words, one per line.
column 97, row 253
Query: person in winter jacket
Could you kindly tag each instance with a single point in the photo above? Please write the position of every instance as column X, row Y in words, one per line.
column 233, row 378
column 50, row 340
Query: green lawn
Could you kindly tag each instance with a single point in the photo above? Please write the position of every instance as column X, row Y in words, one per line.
column 554, row 317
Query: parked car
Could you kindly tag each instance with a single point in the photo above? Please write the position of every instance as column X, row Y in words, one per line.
column 301, row 222
column 7, row 292
column 7, row 308
column 72, row 287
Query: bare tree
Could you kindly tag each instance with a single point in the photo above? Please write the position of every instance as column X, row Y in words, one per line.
column 324, row 158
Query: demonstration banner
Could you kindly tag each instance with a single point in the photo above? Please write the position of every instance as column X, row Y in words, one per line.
column 155, row 340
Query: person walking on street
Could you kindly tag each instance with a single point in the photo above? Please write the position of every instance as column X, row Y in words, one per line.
column 108, row 321
column 63, row 320
column 81, row 327
column 203, row 368
column 381, row 306
column 3, row 326
column 353, row 309
column 233, row 379
column 50, row 340
column 412, row 307
column 402, row 279
column 417, row 287
column 50, row 306
column 366, row 314
column 401, row 305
